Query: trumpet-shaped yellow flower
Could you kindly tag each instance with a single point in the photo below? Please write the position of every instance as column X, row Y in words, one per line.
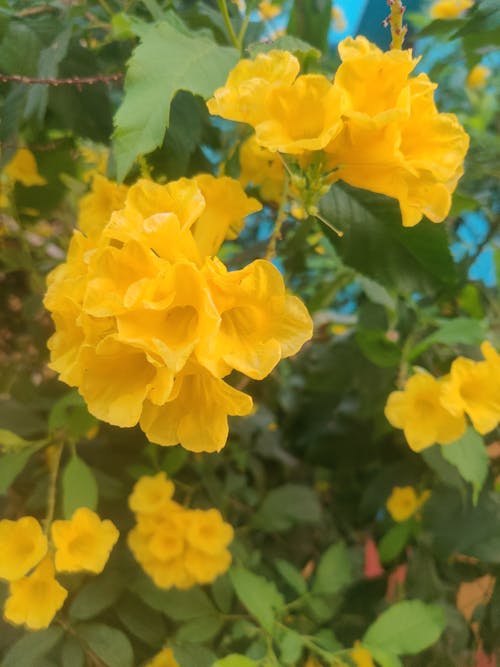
column 243, row 97
column 304, row 116
column 23, row 545
column 473, row 388
column 262, row 169
column 478, row 77
column 34, row 600
column 165, row 658
column 404, row 502
column 227, row 206
column 449, row 9
column 151, row 494
column 196, row 411
column 260, row 322
column 23, row 169
column 420, row 411
column 97, row 206
column 84, row 542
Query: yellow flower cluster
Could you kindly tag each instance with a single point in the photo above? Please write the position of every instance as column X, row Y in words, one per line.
column 148, row 322
column 374, row 127
column 404, row 502
column 82, row 543
column 176, row 546
column 431, row 410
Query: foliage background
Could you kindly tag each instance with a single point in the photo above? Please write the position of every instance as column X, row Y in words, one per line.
column 304, row 480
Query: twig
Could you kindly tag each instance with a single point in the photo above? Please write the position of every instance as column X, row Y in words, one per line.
column 71, row 81
column 395, row 20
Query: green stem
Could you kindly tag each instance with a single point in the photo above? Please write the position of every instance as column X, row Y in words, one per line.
column 398, row 30
column 280, row 219
column 229, row 26
column 51, row 498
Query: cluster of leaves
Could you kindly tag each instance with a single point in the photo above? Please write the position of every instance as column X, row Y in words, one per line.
column 305, row 479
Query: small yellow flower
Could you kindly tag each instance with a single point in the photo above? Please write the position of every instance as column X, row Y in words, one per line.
column 84, row 542
column 262, row 169
column 449, row 9
column 268, row 11
column 203, row 568
column 23, row 169
column 420, row 412
column 23, row 545
column 404, row 502
column 164, row 658
column 151, row 494
column 477, row 77
column 338, row 19
column 34, row 600
column 361, row 656
column 473, row 388
column 97, row 206
column 208, row 532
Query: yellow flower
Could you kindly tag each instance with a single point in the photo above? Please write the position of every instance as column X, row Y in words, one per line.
column 338, row 19
column 151, row 494
column 478, row 76
column 404, row 502
column 268, row 11
column 449, row 9
column 208, row 532
column 260, row 322
column 361, row 657
column 262, row 169
column 84, row 542
column 474, row 388
column 206, row 568
column 244, row 95
column 420, row 411
column 96, row 159
column 304, row 116
column 34, row 600
column 227, row 206
column 196, row 412
column 97, row 206
column 164, row 658
column 22, row 168
column 23, row 546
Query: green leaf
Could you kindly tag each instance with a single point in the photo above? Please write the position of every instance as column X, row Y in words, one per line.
column 383, row 658
column 178, row 605
column 462, row 330
column 28, row 651
column 378, row 348
column 235, row 660
column 310, row 20
column 79, row 487
column 223, row 593
column 71, row 414
column 291, row 644
column 291, row 575
column 394, row 541
column 141, row 621
column 376, row 244
column 258, row 595
column 468, row 454
column 72, row 654
column 377, row 293
column 188, row 655
column 97, row 595
column 334, row 570
column 166, row 61
column 285, row 506
column 302, row 50
column 445, row 471
column 11, row 441
column 109, row 644
column 12, row 464
column 406, row 628
column 199, row 630
column 174, row 460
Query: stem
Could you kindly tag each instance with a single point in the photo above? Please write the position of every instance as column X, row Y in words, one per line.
column 51, row 498
column 280, row 219
column 398, row 30
column 229, row 26
column 329, row 224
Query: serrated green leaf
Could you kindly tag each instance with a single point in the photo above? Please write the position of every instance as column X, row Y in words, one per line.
column 189, row 655
column 258, row 595
column 376, row 244
column 199, row 630
column 109, row 644
column 462, row 330
column 285, row 506
column 291, row 644
column 79, row 487
column 291, row 575
column 394, row 541
column 12, row 464
column 165, row 62
column 31, row 648
column 71, row 414
column 98, row 594
column 406, row 628
column 468, row 454
column 334, row 570
column 143, row 622
column 72, row 654
column 178, row 605
column 298, row 47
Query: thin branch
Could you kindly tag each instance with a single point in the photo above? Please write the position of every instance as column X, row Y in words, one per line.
column 71, row 81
